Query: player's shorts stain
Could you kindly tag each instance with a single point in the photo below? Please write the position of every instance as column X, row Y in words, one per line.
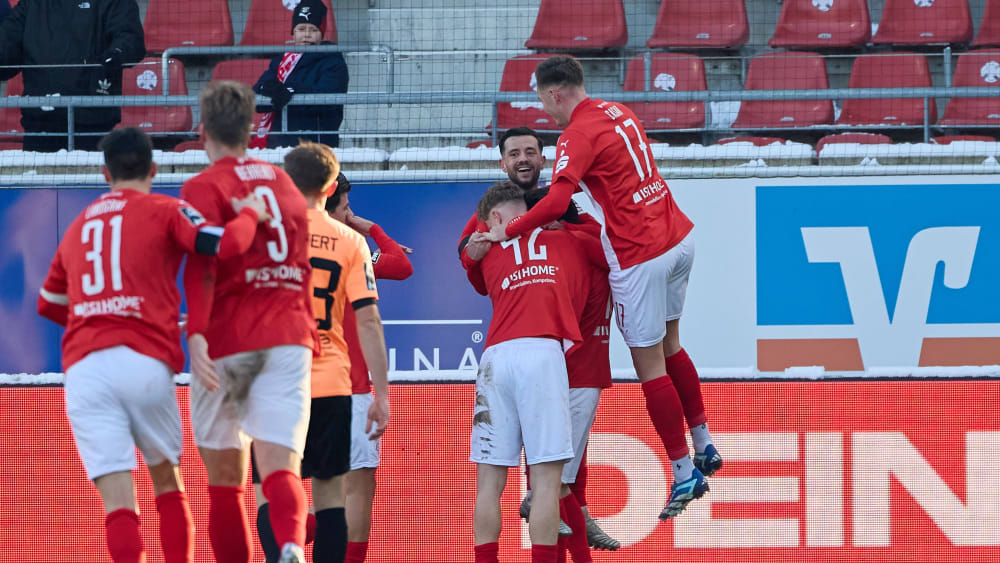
column 239, row 372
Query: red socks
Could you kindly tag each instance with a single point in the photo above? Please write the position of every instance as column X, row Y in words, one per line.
column 358, row 550
column 579, row 487
column 176, row 528
column 664, row 408
column 544, row 553
column 227, row 525
column 682, row 372
column 487, row 553
column 311, row 528
column 124, row 540
column 570, row 512
column 284, row 492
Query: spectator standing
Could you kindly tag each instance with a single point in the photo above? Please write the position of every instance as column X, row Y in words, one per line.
column 71, row 33
column 302, row 73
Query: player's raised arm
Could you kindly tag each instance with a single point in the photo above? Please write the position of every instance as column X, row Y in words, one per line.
column 390, row 262
column 53, row 303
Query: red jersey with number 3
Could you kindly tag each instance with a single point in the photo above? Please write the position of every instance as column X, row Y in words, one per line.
column 532, row 282
column 262, row 298
column 604, row 151
column 115, row 270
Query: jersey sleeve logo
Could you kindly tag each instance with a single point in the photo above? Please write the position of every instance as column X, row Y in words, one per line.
column 375, row 256
column 192, row 215
column 561, row 164
column 369, row 276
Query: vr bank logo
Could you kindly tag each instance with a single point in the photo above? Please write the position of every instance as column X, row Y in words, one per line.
column 859, row 277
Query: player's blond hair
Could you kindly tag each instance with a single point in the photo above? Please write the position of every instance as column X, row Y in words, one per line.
column 312, row 166
column 227, row 112
column 498, row 194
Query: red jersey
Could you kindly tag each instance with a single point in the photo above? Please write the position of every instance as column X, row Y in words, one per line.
column 390, row 263
column 262, row 298
column 535, row 287
column 604, row 152
column 589, row 363
column 111, row 282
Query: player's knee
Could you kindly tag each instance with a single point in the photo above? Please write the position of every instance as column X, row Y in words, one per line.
column 166, row 478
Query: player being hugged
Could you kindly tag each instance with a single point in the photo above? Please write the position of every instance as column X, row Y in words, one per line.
column 111, row 284
column 522, row 392
column 251, row 336
column 603, row 151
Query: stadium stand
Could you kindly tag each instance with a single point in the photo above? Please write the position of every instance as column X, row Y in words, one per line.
column 989, row 26
column 10, row 118
column 924, row 22
column 711, row 24
column 144, row 80
column 821, row 24
column 519, row 76
column 596, row 24
column 859, row 138
column 187, row 23
column 246, row 71
column 668, row 72
column 895, row 70
column 269, row 23
column 755, row 141
column 975, row 68
column 197, row 145
column 949, row 139
column 785, row 71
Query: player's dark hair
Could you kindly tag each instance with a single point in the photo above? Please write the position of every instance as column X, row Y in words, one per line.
column 343, row 186
column 312, row 166
column 519, row 132
column 534, row 196
column 499, row 193
column 227, row 112
column 128, row 154
column 559, row 70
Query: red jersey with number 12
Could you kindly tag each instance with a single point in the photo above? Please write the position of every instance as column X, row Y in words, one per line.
column 261, row 298
column 604, row 151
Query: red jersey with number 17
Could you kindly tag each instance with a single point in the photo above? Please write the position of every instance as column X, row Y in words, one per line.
column 604, row 151
column 262, row 298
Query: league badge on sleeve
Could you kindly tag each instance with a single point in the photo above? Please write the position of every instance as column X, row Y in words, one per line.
column 192, row 215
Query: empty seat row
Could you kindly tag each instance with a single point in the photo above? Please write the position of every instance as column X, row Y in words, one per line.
column 208, row 23
column 781, row 71
column 813, row 24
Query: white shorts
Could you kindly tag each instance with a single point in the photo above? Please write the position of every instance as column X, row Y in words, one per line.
column 118, row 399
column 364, row 452
column 649, row 294
column 522, row 398
column 263, row 395
column 582, row 411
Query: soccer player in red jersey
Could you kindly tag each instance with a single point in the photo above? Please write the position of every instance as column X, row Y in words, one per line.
column 251, row 335
column 111, row 284
column 603, row 151
column 389, row 262
column 522, row 392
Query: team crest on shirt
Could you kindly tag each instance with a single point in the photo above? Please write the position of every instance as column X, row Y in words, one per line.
column 192, row 215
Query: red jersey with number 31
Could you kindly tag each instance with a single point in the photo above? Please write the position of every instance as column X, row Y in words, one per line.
column 262, row 298
column 604, row 151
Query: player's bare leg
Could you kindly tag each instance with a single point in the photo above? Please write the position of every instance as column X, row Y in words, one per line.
column 666, row 412
column 685, row 378
column 543, row 524
column 331, row 525
column 227, row 527
column 359, row 495
column 121, row 521
column 490, row 482
column 279, row 470
column 176, row 526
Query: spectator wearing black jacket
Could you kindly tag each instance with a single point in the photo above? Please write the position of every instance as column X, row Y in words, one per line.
column 70, row 32
column 313, row 73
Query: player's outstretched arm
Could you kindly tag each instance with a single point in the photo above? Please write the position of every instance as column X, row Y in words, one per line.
column 372, row 340
column 53, row 303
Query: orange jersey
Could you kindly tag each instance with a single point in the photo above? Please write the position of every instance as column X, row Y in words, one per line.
column 341, row 273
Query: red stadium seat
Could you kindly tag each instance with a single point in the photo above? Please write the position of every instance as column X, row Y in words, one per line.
column 713, row 24
column 519, row 76
column 975, row 68
column 190, row 23
column 896, row 70
column 756, row 141
column 668, row 72
column 246, row 71
column 269, row 22
column 145, row 79
column 785, row 71
column 859, row 138
column 949, row 139
column 818, row 24
column 190, row 146
column 989, row 26
column 923, row 22
column 10, row 118
column 594, row 24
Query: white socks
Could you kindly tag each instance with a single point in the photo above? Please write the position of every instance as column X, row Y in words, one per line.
column 701, row 437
